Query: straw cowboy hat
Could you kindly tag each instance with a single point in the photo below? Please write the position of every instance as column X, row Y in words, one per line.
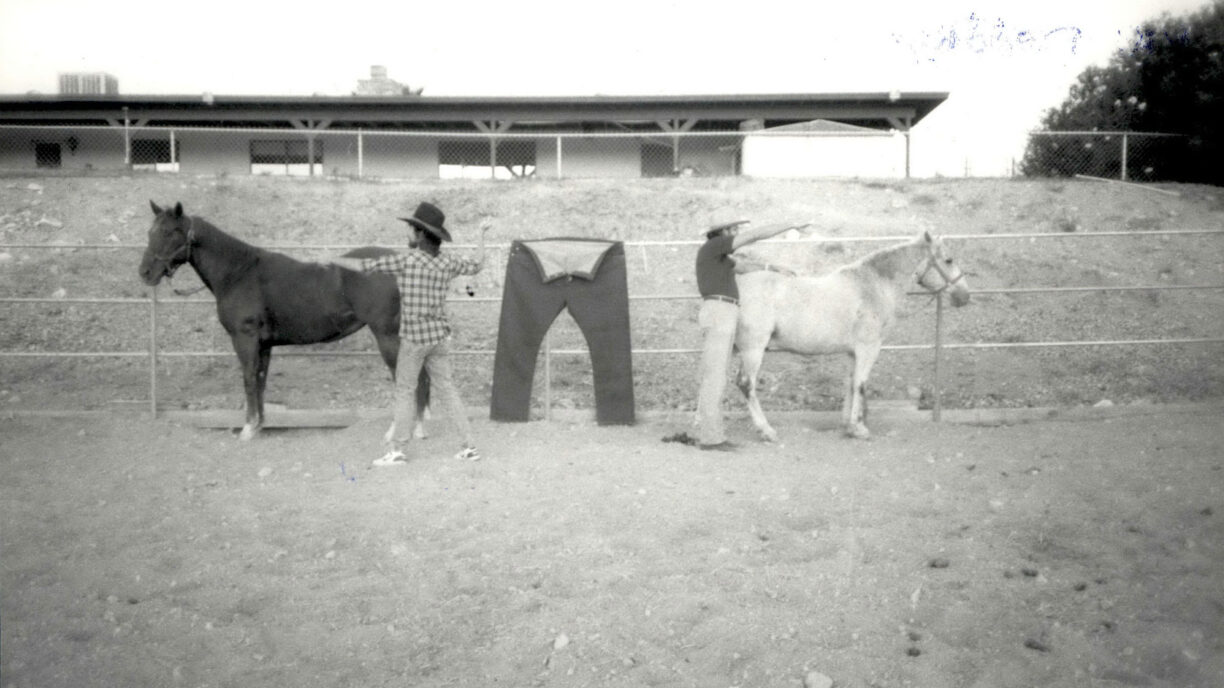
column 718, row 229
column 429, row 218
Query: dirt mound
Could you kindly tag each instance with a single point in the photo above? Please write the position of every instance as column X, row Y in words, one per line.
column 110, row 216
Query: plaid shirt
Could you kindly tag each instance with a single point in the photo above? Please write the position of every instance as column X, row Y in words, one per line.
column 423, row 282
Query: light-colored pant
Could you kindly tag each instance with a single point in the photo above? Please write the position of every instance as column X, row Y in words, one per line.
column 436, row 359
column 717, row 320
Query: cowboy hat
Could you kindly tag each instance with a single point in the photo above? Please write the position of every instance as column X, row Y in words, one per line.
column 429, row 218
column 717, row 229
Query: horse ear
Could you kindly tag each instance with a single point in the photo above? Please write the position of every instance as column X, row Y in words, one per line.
column 178, row 210
column 156, row 208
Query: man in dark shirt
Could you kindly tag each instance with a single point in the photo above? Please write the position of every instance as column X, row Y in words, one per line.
column 718, row 316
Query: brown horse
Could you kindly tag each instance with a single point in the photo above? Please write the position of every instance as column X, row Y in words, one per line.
column 267, row 299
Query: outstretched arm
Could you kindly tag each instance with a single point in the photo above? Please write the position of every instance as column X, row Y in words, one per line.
column 484, row 229
column 473, row 266
column 357, row 264
column 764, row 232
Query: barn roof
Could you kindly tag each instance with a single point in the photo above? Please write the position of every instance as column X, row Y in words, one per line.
column 883, row 111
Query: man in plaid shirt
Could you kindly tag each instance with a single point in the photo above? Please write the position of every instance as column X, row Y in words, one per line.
column 424, row 275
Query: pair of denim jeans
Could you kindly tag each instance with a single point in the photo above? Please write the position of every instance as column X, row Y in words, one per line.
column 596, row 294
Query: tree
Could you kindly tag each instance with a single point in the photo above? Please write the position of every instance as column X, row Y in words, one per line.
column 1170, row 80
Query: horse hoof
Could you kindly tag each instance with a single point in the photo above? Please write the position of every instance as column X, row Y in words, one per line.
column 769, row 435
column 248, row 433
column 419, row 433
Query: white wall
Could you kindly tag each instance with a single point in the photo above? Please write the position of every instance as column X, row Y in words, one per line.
column 824, row 156
column 593, row 157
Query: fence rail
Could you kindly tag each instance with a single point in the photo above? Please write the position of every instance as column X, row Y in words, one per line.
column 153, row 352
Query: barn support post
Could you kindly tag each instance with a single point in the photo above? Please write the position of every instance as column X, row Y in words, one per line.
column 937, row 392
column 492, row 157
column 173, row 151
column 907, row 153
column 153, row 352
column 675, row 153
column 558, row 157
column 360, row 154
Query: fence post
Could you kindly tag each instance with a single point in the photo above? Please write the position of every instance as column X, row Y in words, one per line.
column 127, row 139
column 360, row 154
column 1124, row 147
column 558, row 157
column 153, row 352
column 937, row 407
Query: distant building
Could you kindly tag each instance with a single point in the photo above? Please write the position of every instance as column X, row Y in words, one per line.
column 88, row 83
column 379, row 84
column 411, row 137
column 822, row 148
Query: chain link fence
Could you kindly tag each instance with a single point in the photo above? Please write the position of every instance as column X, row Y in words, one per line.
column 449, row 155
column 1127, row 156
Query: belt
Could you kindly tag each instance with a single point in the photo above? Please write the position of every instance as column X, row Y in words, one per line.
column 720, row 297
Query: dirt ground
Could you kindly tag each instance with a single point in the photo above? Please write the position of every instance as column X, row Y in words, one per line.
column 1052, row 553
column 1078, row 550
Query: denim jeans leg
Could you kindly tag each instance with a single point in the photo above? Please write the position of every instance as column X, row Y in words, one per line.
column 407, row 369
column 718, row 321
column 441, row 377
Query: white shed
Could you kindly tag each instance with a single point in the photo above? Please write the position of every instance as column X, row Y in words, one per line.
column 822, row 148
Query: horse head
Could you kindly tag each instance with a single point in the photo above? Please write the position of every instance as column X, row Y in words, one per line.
column 170, row 240
column 939, row 273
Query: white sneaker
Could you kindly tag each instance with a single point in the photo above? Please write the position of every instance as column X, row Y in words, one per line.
column 394, row 457
column 468, row 454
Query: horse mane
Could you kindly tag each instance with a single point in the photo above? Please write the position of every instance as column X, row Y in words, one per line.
column 891, row 262
column 235, row 254
column 203, row 229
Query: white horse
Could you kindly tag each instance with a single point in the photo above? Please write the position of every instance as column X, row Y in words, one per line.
column 847, row 311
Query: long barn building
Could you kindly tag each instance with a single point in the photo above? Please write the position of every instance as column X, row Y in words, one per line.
column 414, row 136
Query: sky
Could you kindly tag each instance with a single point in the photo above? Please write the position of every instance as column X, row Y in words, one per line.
column 1003, row 63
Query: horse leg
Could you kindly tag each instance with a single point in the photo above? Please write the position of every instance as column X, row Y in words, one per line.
column 848, row 400
column 422, row 405
column 261, row 377
column 388, row 346
column 856, row 420
column 252, row 357
column 746, row 380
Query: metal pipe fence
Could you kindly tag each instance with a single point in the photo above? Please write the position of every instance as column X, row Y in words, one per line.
column 938, row 345
column 1122, row 155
